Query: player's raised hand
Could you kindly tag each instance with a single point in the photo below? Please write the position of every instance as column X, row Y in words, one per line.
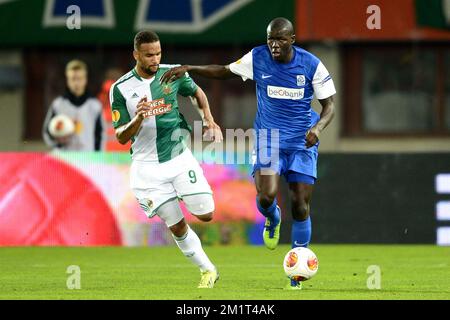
column 312, row 137
column 142, row 108
column 173, row 74
column 212, row 132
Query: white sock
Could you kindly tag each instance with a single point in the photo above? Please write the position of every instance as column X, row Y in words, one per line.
column 191, row 247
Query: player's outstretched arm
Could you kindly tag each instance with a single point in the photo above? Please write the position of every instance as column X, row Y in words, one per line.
column 327, row 114
column 130, row 129
column 213, row 71
column 201, row 102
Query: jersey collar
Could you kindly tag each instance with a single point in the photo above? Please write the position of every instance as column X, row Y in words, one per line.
column 136, row 74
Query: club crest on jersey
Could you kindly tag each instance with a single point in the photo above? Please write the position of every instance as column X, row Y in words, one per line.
column 158, row 107
column 167, row 89
column 301, row 80
column 146, row 204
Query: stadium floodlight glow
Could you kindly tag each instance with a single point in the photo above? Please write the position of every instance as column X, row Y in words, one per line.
column 442, row 183
column 443, row 236
column 443, row 210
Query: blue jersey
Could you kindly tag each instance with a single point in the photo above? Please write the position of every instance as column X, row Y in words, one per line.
column 284, row 92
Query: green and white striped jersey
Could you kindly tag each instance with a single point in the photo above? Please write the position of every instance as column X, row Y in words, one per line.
column 159, row 138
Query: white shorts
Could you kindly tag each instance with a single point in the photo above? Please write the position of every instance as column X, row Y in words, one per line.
column 154, row 183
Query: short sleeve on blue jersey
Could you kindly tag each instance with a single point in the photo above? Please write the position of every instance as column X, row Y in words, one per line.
column 243, row 67
column 322, row 83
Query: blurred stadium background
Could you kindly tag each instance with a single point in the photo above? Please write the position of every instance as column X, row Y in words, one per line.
column 384, row 166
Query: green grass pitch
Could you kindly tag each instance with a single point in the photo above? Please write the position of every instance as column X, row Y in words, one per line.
column 246, row 272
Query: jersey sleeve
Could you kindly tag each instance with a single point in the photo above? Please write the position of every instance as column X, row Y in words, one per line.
column 120, row 114
column 322, row 83
column 187, row 86
column 243, row 67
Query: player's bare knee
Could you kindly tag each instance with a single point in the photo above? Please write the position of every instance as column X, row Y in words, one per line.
column 300, row 211
column 266, row 198
column 179, row 229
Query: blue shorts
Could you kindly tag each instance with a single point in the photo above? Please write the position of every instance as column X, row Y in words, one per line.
column 294, row 165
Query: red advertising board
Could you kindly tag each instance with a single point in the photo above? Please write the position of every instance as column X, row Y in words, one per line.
column 347, row 21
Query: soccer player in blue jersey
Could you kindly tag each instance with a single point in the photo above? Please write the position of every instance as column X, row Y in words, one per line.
column 287, row 77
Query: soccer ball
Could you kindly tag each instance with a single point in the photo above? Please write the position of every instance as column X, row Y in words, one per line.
column 300, row 264
column 61, row 126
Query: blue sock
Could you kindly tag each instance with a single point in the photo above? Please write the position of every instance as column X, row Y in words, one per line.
column 301, row 236
column 301, row 233
column 270, row 212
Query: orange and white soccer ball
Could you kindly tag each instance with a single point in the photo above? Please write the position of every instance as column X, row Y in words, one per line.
column 300, row 264
column 61, row 126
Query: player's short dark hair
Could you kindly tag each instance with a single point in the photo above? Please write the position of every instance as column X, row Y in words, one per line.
column 146, row 36
column 281, row 23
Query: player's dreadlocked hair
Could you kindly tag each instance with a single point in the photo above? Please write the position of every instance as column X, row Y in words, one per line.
column 146, row 36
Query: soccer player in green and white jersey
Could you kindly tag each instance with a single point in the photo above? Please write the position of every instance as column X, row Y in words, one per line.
column 163, row 169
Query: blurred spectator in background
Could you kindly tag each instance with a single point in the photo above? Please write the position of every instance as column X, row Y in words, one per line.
column 111, row 143
column 74, row 120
